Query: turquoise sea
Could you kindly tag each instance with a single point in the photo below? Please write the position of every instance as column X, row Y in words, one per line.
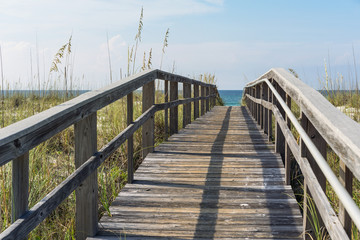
column 231, row 97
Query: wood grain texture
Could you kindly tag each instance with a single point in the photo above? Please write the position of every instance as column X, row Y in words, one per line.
column 313, row 187
column 130, row 141
column 20, row 186
column 148, row 100
column 22, row 136
column 87, row 193
column 216, row 179
column 187, row 106
column 196, row 103
column 174, row 119
column 338, row 130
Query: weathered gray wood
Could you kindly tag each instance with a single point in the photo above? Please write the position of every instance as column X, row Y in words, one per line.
column 22, row 136
column 340, row 132
column 266, row 111
column 166, row 99
column 346, row 178
column 287, row 148
column 148, row 100
column 86, row 194
column 193, row 189
column 203, row 94
column 261, row 96
column 174, row 124
column 207, row 101
column 270, row 116
column 20, row 186
column 187, row 106
column 22, row 227
column 280, row 140
column 196, row 103
column 325, row 211
column 321, row 145
column 130, row 146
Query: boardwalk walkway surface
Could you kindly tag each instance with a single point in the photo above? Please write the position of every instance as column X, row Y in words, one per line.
column 218, row 178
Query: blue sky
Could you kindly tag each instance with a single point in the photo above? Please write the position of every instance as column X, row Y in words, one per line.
column 237, row 40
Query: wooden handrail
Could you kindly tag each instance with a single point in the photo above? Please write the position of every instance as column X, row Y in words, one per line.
column 325, row 125
column 17, row 139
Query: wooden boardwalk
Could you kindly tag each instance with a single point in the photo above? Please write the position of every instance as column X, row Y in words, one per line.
column 218, row 178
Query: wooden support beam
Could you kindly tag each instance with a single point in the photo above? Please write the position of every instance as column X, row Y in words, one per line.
column 196, row 103
column 130, row 141
column 148, row 99
column 174, row 121
column 346, row 178
column 87, row 192
column 270, row 127
column 287, row 148
column 20, row 186
column 166, row 120
column 203, row 100
column 266, row 111
column 321, row 145
column 207, row 93
column 187, row 106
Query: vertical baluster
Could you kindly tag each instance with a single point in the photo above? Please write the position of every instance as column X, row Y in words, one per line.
column 187, row 106
column 203, row 100
column 270, row 127
column 287, row 148
column 20, row 186
column 207, row 92
column 196, row 103
column 87, row 192
column 130, row 140
column 166, row 123
column 148, row 100
column 174, row 121
column 321, row 144
column 346, row 178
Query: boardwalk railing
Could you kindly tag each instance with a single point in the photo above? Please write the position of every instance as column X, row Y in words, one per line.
column 321, row 126
column 18, row 139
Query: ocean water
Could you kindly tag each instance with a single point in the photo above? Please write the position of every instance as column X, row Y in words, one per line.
column 231, row 97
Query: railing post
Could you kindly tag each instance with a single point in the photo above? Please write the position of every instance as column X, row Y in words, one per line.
column 203, row 100
column 270, row 128
column 287, row 148
column 321, row 144
column 261, row 106
column 20, row 186
column 266, row 111
column 166, row 123
column 279, row 136
column 213, row 99
column 187, row 106
column 207, row 90
column 87, row 192
column 196, row 103
column 130, row 140
column 174, row 119
column 346, row 178
column 148, row 99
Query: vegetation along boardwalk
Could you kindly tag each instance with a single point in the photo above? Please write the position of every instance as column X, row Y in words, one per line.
column 217, row 178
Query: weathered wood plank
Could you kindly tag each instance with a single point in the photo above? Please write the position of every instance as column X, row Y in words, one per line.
column 338, row 130
column 20, row 186
column 214, row 179
column 130, row 146
column 187, row 106
column 196, row 103
column 148, row 100
column 86, row 194
column 174, row 111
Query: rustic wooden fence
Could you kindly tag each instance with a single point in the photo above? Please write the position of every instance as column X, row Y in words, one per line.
column 321, row 126
column 18, row 139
